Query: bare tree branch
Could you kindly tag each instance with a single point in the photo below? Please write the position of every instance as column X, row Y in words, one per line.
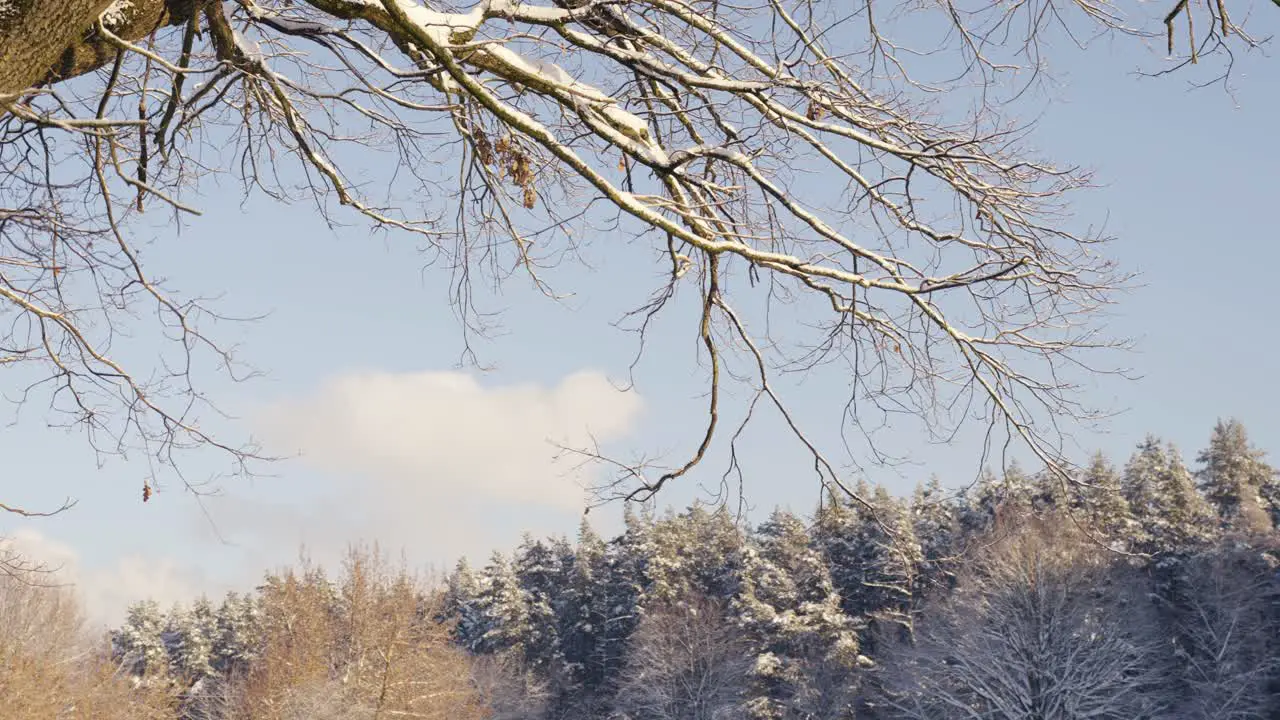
column 931, row 257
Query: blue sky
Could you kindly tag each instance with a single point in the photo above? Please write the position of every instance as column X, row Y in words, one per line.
column 1189, row 189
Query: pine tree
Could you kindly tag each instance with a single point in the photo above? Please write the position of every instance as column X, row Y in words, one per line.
column 1098, row 502
column 934, row 519
column 835, row 532
column 1140, row 484
column 1021, row 491
column 1236, row 479
column 193, row 633
column 504, row 617
column 983, row 504
column 874, row 558
column 893, row 558
column 461, row 605
column 139, row 643
column 543, row 572
column 1050, row 492
column 1175, row 519
column 1190, row 520
column 790, row 611
column 696, row 553
column 628, row 580
column 586, row 613
column 237, row 634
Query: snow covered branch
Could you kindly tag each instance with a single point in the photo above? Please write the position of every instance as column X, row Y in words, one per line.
column 928, row 255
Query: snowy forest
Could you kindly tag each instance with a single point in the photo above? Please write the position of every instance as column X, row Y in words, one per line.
column 365, row 247
column 1142, row 591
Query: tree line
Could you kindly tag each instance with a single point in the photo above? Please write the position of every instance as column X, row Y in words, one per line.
column 1147, row 591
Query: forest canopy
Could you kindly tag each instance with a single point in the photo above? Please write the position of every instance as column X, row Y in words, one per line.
column 997, row 602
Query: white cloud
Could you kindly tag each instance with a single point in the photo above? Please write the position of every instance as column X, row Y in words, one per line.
column 434, row 463
column 36, row 549
column 106, row 592
column 438, row 434
column 109, row 591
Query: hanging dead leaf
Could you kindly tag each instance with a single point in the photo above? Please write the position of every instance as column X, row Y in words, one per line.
column 484, row 148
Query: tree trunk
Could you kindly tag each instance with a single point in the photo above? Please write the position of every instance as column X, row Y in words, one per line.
column 35, row 33
column 44, row 41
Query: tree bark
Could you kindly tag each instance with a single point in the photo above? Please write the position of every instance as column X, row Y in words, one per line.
column 44, row 41
column 35, row 33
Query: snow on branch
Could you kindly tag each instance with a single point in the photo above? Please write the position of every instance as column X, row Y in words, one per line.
column 927, row 257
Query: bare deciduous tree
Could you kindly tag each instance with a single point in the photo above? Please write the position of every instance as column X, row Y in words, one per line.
column 931, row 254
column 1226, row 637
column 1043, row 627
column 50, row 666
column 507, row 688
column 684, row 662
column 365, row 647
